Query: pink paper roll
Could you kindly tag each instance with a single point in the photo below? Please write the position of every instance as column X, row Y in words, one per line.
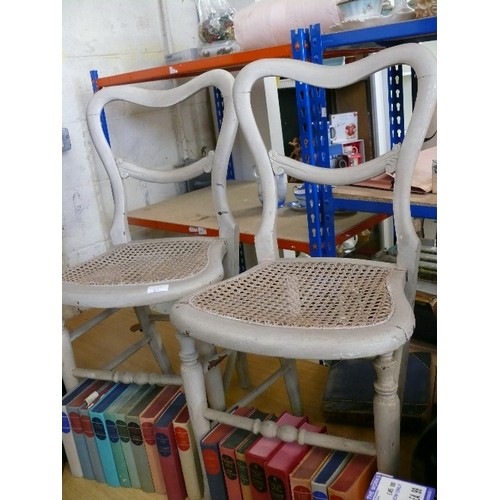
column 268, row 23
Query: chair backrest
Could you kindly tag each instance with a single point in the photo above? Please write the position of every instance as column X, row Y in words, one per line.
column 215, row 161
column 401, row 160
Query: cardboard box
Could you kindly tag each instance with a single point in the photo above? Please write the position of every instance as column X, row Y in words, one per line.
column 343, row 127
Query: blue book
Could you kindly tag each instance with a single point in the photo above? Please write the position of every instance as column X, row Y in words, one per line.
column 114, row 434
column 333, row 466
column 96, row 413
column 88, row 431
column 211, row 457
column 68, row 439
column 73, row 409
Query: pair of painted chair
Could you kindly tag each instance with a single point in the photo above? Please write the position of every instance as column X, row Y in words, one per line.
column 289, row 308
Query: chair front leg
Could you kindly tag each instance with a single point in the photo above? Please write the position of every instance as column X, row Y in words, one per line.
column 68, row 360
column 387, row 414
column 214, row 383
column 193, row 381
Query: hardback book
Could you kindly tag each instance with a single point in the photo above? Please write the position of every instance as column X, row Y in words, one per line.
column 88, row 430
column 147, row 420
column 188, row 455
column 114, row 434
column 353, row 482
column 262, row 451
column 385, row 487
column 279, row 467
column 227, row 450
column 211, row 457
column 332, row 467
column 300, row 477
column 68, row 439
column 137, row 439
column 124, row 434
column 96, row 413
column 73, row 409
column 241, row 461
column 168, row 454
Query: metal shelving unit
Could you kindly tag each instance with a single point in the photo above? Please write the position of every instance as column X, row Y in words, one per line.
column 311, row 45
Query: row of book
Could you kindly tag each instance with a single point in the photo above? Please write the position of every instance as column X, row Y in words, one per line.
column 141, row 437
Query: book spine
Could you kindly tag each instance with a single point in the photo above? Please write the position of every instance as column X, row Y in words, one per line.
column 256, row 459
column 213, row 469
column 300, row 478
column 231, row 477
column 140, row 456
column 116, row 448
column 153, row 457
column 354, row 481
column 128, row 454
column 278, row 480
column 189, row 458
column 211, row 456
column 81, row 445
column 68, row 441
column 95, row 459
column 241, row 464
column 170, row 463
column 258, row 482
column 105, row 451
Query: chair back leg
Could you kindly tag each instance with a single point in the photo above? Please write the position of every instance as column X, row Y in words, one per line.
column 155, row 343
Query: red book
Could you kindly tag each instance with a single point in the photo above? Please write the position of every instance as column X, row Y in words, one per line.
column 261, row 451
column 211, row 456
column 147, row 420
column 167, row 450
column 353, row 482
column 282, row 463
column 188, row 455
column 227, row 450
column 241, row 461
column 300, row 478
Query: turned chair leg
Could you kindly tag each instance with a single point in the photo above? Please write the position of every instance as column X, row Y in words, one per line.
column 68, row 360
column 387, row 414
column 194, row 383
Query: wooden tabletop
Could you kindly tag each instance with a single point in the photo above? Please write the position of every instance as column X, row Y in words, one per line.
column 372, row 194
column 193, row 213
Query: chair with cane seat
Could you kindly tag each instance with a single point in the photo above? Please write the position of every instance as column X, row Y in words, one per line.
column 322, row 307
column 144, row 273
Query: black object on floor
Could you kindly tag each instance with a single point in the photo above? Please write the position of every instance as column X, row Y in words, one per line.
column 424, row 458
column 348, row 395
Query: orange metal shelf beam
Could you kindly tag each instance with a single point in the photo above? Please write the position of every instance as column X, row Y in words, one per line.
column 232, row 62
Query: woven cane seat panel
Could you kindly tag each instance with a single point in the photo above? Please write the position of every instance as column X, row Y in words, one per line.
column 143, row 262
column 311, row 294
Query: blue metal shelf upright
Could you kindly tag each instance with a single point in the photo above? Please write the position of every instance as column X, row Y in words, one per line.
column 310, row 45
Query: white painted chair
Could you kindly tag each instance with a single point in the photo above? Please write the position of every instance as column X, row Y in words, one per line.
column 140, row 274
column 317, row 308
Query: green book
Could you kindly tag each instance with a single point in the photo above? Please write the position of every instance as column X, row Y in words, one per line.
column 137, row 440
